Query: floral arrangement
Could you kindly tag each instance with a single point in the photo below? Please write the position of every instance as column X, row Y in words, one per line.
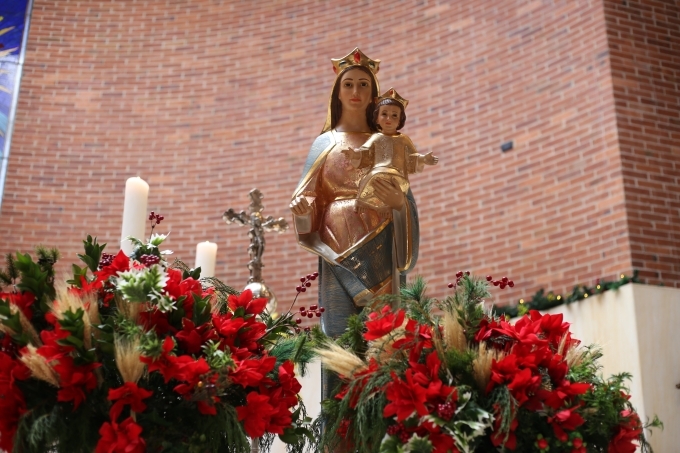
column 421, row 375
column 543, row 300
column 133, row 354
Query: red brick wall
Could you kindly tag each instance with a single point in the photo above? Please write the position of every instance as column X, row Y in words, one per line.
column 207, row 99
column 644, row 41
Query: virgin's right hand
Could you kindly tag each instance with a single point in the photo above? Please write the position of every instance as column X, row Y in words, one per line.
column 300, row 206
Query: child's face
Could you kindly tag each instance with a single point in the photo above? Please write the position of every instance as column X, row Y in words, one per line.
column 388, row 119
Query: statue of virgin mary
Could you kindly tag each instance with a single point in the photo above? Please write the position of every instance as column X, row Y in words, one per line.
column 362, row 254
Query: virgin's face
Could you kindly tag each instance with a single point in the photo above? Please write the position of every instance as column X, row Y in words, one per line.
column 355, row 91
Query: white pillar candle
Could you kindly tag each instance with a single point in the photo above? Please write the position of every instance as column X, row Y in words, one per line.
column 206, row 254
column 134, row 212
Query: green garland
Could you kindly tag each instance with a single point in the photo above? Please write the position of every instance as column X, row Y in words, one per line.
column 543, row 301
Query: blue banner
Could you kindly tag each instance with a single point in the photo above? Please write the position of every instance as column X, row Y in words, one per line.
column 14, row 17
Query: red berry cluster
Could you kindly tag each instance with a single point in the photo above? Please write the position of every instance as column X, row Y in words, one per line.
column 106, row 260
column 503, row 282
column 313, row 310
column 459, row 275
column 399, row 431
column 155, row 220
column 149, row 260
column 446, row 410
column 306, row 282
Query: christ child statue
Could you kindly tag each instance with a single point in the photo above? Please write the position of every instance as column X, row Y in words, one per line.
column 388, row 153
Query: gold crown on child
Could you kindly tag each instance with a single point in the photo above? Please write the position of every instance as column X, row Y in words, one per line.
column 392, row 94
column 355, row 58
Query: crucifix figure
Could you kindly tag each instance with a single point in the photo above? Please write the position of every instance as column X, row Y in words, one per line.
column 258, row 225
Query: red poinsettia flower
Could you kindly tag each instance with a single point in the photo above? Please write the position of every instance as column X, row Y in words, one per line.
column 158, row 321
column 192, row 338
column 189, row 371
column 12, row 402
column 123, row 438
column 427, row 376
column 566, row 419
column 194, row 375
column 563, row 392
column 240, row 335
column 554, row 328
column 189, row 338
column 182, row 289
column 256, row 414
column 86, row 287
column 280, row 419
column 557, row 367
column 521, row 382
column 252, row 372
column 287, row 379
column 163, row 363
column 405, row 397
column 245, row 300
column 525, row 331
column 248, row 337
column 51, row 349
column 23, row 300
column 486, row 326
column 121, row 263
column 381, row 324
column 129, row 394
column 189, row 287
column 74, row 380
column 415, row 335
column 227, row 327
column 627, row 434
column 172, row 285
column 441, row 442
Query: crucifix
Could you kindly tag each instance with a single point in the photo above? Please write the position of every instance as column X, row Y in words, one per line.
column 258, row 225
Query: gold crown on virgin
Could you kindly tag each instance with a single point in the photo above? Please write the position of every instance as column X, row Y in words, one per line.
column 392, row 94
column 355, row 58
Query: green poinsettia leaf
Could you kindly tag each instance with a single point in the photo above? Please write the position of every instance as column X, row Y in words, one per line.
column 142, row 285
column 418, row 445
column 288, row 436
column 33, row 278
column 157, row 239
column 135, row 241
column 202, row 309
column 390, row 444
column 93, row 253
column 8, row 319
column 78, row 274
column 195, row 273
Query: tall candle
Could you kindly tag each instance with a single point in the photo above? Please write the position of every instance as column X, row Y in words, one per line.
column 134, row 212
column 206, row 254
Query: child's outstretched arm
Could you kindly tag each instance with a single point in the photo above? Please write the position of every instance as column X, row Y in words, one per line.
column 361, row 157
column 417, row 162
column 429, row 159
column 353, row 155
